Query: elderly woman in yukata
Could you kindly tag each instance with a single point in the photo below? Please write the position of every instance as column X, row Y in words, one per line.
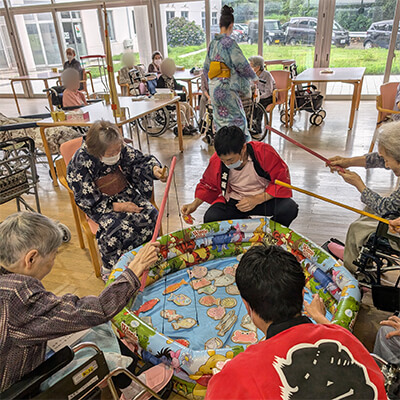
column 113, row 184
column 230, row 76
column 388, row 156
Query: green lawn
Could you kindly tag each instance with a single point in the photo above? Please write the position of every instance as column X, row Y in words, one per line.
column 373, row 59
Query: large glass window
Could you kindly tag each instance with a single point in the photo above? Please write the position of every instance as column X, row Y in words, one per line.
column 185, row 37
column 74, row 29
column 16, row 3
column 8, row 65
column 290, row 31
column 361, row 37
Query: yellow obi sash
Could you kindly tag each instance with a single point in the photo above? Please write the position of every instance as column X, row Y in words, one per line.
column 218, row 70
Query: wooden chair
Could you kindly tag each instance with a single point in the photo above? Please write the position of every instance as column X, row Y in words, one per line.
column 82, row 221
column 385, row 103
column 281, row 94
column 124, row 87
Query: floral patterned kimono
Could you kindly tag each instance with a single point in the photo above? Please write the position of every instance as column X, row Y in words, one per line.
column 118, row 232
column 225, row 92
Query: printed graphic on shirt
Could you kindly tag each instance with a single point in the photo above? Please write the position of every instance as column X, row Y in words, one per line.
column 328, row 368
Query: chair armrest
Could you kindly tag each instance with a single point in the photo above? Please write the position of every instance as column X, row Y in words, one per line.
column 384, row 110
column 31, row 382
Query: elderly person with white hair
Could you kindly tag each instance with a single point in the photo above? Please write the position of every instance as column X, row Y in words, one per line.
column 167, row 81
column 388, row 156
column 113, row 185
column 72, row 96
column 30, row 315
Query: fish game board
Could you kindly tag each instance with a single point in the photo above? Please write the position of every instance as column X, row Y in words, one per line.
column 209, row 317
column 190, row 315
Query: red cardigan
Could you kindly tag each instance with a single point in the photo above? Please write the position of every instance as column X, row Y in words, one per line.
column 209, row 187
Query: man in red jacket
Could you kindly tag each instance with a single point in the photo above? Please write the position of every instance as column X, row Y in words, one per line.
column 298, row 359
column 239, row 181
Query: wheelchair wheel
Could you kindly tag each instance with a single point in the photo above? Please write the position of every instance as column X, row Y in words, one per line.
column 284, row 118
column 155, row 123
column 257, row 120
column 322, row 113
column 66, row 232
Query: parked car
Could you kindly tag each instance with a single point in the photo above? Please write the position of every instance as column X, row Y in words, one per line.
column 239, row 33
column 273, row 33
column 303, row 30
column 378, row 35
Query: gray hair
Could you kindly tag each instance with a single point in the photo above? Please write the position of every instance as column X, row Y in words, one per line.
column 168, row 67
column 389, row 139
column 100, row 136
column 25, row 231
column 257, row 61
column 70, row 75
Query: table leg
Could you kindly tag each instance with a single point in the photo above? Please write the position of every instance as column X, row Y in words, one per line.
column 46, row 85
column 179, row 123
column 353, row 104
column 292, row 95
column 190, row 89
column 359, row 93
column 15, row 97
column 48, row 155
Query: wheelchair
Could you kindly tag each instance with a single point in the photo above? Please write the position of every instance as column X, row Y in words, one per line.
column 391, row 374
column 377, row 257
column 84, row 382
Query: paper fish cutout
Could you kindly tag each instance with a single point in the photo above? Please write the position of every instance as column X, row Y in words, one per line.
column 170, row 315
column 230, row 270
column 247, row 323
column 183, row 342
column 197, row 272
column 248, row 337
column 180, row 299
column 232, row 290
column 224, row 280
column 174, row 287
column 209, row 301
column 210, row 289
column 213, row 343
column 226, row 323
column 146, row 306
column 228, row 302
column 188, row 219
column 199, row 283
column 185, row 323
column 213, row 273
column 216, row 312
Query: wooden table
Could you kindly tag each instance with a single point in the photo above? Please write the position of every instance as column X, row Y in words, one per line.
column 286, row 63
column 188, row 78
column 39, row 76
column 355, row 76
column 97, row 111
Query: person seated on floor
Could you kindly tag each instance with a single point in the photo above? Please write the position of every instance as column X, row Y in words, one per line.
column 156, row 60
column 72, row 96
column 297, row 359
column 387, row 342
column 31, row 315
column 113, row 185
column 239, row 181
column 135, row 75
column 167, row 81
column 388, row 156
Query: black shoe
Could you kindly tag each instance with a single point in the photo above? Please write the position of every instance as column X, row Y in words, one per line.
column 192, row 129
column 176, row 131
column 186, row 131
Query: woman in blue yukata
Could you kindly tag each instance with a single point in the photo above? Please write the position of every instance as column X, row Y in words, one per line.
column 113, row 184
column 230, row 76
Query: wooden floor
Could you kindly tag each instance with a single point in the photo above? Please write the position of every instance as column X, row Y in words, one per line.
column 317, row 220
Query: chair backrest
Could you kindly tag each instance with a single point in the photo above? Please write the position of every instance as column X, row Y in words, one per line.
column 68, row 149
column 282, row 81
column 388, row 94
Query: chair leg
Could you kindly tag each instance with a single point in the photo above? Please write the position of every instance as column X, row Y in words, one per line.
column 94, row 254
column 77, row 222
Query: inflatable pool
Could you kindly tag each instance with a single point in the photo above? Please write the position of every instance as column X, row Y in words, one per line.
column 190, row 314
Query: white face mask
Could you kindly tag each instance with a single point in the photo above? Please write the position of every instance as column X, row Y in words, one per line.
column 158, row 62
column 111, row 160
column 70, row 57
column 237, row 164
